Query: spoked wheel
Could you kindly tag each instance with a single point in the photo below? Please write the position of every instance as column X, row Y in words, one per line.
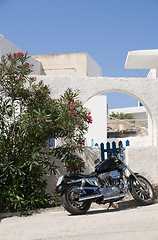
column 70, row 201
column 143, row 193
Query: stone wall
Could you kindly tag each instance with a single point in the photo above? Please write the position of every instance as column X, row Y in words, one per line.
column 127, row 127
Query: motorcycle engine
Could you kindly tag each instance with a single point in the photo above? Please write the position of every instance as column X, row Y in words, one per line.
column 110, row 177
column 112, row 182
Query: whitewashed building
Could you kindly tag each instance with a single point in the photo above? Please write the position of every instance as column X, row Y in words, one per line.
column 145, row 90
column 7, row 47
column 97, row 132
column 138, row 112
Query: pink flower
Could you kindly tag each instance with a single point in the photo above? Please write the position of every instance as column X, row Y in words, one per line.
column 68, row 102
column 70, row 89
column 89, row 113
column 69, row 112
column 72, row 105
column 15, row 54
column 48, row 97
column 32, row 122
column 89, row 119
column 75, row 114
column 21, row 54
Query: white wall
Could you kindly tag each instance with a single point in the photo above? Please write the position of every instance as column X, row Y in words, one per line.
column 93, row 68
column 137, row 112
column 134, row 141
column 8, row 47
column 143, row 160
column 98, row 129
column 69, row 64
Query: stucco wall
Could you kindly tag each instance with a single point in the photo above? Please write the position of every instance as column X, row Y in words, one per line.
column 144, row 160
column 70, row 64
column 140, row 160
column 143, row 89
column 89, row 155
column 98, row 129
column 93, row 68
column 7, row 47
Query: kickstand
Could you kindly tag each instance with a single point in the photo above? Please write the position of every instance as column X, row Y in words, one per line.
column 111, row 204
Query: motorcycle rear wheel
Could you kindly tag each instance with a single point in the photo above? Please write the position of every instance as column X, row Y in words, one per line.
column 144, row 194
column 70, row 201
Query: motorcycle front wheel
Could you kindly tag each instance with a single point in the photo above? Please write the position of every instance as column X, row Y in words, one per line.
column 142, row 190
column 70, row 201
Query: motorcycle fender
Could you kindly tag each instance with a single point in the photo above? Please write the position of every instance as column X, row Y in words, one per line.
column 62, row 187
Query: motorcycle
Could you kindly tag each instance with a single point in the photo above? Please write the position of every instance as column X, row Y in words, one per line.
column 107, row 184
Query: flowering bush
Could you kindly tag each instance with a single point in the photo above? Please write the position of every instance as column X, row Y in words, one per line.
column 28, row 117
column 71, row 125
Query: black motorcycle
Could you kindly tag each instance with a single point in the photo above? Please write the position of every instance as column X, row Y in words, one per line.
column 109, row 183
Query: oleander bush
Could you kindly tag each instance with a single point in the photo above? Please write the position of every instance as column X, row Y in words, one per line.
column 29, row 116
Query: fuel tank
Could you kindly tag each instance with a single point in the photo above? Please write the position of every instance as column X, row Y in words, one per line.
column 107, row 165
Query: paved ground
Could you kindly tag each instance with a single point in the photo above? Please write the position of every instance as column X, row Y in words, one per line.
column 123, row 223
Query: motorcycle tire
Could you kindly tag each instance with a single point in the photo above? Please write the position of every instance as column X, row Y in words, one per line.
column 70, row 201
column 143, row 195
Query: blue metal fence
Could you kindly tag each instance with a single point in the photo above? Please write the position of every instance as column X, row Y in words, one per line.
column 113, row 148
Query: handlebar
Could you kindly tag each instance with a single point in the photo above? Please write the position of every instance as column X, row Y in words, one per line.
column 121, row 149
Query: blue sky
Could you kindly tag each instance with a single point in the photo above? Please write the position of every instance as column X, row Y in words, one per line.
column 106, row 29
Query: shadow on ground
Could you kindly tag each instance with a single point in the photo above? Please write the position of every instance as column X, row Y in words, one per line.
column 129, row 204
column 119, row 206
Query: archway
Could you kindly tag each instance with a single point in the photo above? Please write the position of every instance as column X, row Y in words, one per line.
column 106, row 129
column 150, row 122
column 127, row 120
column 143, row 89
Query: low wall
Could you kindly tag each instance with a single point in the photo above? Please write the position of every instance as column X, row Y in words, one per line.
column 143, row 160
column 89, row 155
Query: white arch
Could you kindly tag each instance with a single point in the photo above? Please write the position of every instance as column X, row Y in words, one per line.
column 143, row 89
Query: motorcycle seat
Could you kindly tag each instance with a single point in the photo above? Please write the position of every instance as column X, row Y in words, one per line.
column 80, row 175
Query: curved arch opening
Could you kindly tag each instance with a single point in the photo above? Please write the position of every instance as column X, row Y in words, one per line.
column 128, row 93
column 137, row 130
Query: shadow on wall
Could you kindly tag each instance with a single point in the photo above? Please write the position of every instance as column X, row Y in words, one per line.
column 89, row 155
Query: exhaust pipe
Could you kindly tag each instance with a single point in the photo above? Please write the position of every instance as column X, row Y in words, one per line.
column 90, row 197
column 101, row 195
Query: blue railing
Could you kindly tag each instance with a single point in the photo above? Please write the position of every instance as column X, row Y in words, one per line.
column 113, row 148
